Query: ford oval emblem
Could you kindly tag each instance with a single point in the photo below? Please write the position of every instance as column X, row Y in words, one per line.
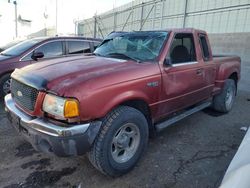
column 19, row 94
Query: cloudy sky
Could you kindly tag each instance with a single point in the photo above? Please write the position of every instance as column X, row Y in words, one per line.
column 43, row 13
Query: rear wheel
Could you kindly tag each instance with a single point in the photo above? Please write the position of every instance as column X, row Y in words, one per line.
column 5, row 81
column 224, row 101
column 120, row 142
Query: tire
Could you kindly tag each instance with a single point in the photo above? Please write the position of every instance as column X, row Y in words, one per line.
column 4, row 81
column 224, row 101
column 124, row 128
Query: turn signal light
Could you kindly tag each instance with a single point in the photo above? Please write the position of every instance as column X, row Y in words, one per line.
column 71, row 108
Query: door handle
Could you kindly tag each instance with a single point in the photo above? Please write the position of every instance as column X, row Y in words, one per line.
column 199, row 71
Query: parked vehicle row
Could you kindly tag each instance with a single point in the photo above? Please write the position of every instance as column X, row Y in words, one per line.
column 108, row 103
column 40, row 49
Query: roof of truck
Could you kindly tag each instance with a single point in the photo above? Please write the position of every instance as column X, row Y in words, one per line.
column 190, row 30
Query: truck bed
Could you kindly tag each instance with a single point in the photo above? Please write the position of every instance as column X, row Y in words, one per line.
column 225, row 58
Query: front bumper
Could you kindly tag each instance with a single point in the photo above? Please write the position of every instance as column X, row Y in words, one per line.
column 49, row 137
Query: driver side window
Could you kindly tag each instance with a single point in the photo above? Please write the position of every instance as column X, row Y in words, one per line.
column 182, row 49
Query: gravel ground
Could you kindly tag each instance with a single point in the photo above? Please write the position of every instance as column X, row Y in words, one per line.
column 194, row 153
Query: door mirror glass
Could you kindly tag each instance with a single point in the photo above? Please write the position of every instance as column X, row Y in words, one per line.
column 37, row 55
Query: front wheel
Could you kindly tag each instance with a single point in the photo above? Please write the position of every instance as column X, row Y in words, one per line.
column 224, row 101
column 120, row 142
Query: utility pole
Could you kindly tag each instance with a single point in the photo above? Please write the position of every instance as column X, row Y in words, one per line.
column 56, row 16
column 185, row 14
column 15, row 3
column 142, row 14
column 45, row 15
column 95, row 25
column 75, row 21
column 114, row 6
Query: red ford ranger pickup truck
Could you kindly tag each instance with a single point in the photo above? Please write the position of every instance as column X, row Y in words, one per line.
column 108, row 103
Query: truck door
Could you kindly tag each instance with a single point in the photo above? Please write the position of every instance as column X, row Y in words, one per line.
column 183, row 76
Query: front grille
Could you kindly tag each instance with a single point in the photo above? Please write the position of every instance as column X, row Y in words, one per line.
column 25, row 96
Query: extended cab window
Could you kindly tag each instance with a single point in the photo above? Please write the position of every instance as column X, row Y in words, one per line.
column 182, row 49
column 78, row 47
column 204, row 47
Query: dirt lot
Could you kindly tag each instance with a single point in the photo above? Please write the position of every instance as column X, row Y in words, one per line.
column 194, row 153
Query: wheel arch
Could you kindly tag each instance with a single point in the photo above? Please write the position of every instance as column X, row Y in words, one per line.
column 143, row 107
column 235, row 78
column 2, row 93
column 7, row 72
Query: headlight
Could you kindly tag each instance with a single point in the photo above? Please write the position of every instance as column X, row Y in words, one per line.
column 62, row 107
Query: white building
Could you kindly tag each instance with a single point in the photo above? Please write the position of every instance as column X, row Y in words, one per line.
column 30, row 16
column 222, row 19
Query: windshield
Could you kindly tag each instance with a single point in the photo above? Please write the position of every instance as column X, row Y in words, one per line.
column 20, row 48
column 139, row 46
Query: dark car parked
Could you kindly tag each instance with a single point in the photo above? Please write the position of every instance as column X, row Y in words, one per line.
column 38, row 49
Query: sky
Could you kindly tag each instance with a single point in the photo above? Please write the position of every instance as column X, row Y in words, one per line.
column 42, row 13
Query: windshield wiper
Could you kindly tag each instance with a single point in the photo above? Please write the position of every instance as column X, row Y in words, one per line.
column 96, row 54
column 124, row 55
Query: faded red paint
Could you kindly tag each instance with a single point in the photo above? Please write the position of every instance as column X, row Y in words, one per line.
column 101, row 84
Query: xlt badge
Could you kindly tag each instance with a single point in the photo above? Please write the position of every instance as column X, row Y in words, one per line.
column 152, row 84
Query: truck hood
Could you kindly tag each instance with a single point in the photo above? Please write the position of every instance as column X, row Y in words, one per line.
column 62, row 75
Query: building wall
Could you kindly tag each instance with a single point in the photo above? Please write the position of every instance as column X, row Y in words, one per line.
column 51, row 31
column 231, row 43
column 214, row 16
column 222, row 19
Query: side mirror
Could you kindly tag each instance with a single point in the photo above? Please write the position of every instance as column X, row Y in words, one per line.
column 37, row 55
column 167, row 62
